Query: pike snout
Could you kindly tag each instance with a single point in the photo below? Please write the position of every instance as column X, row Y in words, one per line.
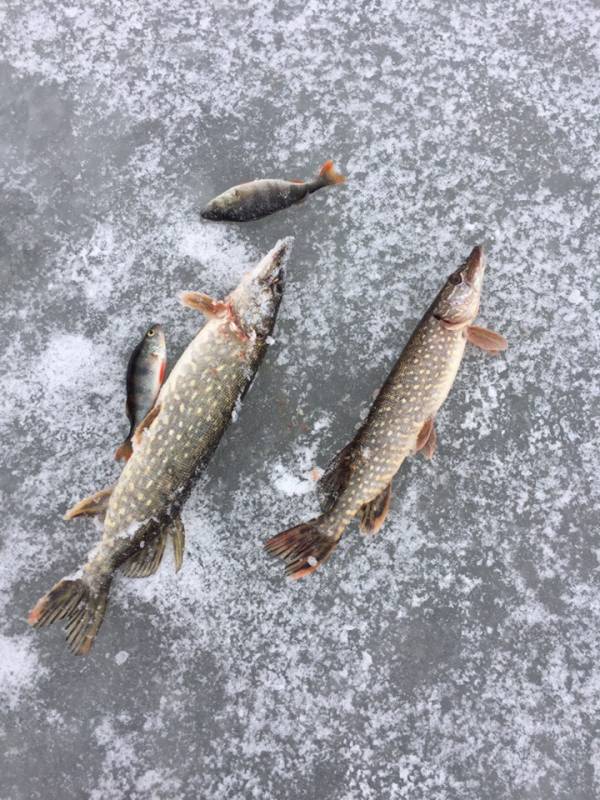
column 475, row 266
column 271, row 268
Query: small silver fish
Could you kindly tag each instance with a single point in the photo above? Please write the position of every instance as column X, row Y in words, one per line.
column 263, row 197
column 145, row 375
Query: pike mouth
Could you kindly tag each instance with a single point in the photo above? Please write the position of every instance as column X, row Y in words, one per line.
column 209, row 213
column 272, row 268
column 475, row 265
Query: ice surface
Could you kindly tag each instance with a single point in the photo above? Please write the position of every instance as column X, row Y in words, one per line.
column 453, row 656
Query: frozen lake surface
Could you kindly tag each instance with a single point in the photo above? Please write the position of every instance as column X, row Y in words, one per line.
column 455, row 655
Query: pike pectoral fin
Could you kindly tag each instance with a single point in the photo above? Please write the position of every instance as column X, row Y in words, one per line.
column 427, row 439
column 93, row 506
column 372, row 515
column 489, row 341
column 335, row 478
column 204, row 304
column 145, row 423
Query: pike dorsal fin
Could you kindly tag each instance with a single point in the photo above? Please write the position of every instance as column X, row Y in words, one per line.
column 335, row 478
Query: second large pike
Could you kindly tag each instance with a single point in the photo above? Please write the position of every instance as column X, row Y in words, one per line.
column 401, row 422
column 181, row 432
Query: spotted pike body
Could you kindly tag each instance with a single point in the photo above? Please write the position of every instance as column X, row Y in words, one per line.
column 412, row 394
column 257, row 199
column 193, row 409
column 400, row 422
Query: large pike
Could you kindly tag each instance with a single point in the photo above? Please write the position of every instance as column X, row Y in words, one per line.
column 179, row 436
column 401, row 421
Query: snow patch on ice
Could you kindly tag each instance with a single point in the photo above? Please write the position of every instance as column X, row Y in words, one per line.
column 20, row 669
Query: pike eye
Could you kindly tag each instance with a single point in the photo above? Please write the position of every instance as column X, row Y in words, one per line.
column 455, row 278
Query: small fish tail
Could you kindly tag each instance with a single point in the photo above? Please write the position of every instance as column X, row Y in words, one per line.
column 303, row 547
column 330, row 175
column 76, row 601
column 124, row 451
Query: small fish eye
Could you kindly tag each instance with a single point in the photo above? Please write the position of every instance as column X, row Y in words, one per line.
column 151, row 332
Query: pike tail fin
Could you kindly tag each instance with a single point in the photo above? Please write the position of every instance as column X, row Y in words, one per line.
column 330, row 175
column 75, row 601
column 303, row 548
column 124, row 451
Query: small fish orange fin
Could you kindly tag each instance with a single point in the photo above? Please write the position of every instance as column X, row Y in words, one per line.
column 146, row 560
column 330, row 175
column 296, row 180
column 335, row 478
column 93, row 506
column 124, row 451
column 75, row 601
column 146, row 423
column 489, row 341
column 303, row 548
column 427, row 439
column 204, row 304
column 177, row 533
column 372, row 515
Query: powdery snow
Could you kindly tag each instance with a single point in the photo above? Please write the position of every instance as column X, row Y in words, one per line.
column 452, row 656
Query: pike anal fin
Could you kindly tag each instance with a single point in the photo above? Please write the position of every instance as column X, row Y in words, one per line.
column 427, row 439
column 335, row 478
column 177, row 533
column 93, row 506
column 489, row 341
column 147, row 559
column 372, row 515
